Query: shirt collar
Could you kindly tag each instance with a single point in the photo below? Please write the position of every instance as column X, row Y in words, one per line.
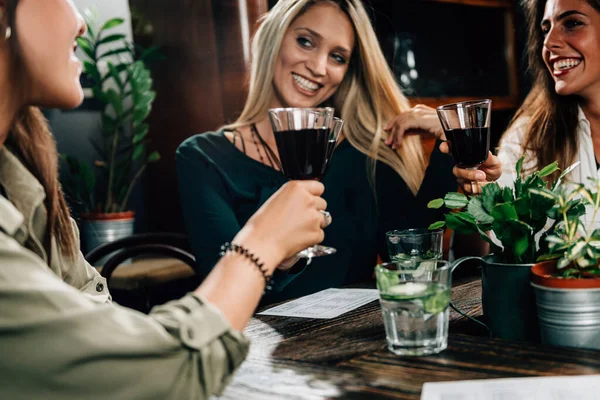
column 22, row 188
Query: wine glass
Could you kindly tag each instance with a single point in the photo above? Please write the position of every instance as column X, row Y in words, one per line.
column 467, row 128
column 306, row 139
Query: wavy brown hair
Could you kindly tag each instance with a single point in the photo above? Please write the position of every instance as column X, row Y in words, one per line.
column 32, row 142
column 551, row 130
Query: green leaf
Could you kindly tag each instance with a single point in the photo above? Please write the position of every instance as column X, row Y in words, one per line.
column 521, row 245
column 115, row 75
column 111, row 23
column 110, row 39
column 437, row 225
column 153, row 157
column 455, row 200
column 547, row 257
column 85, row 45
column 145, row 100
column 548, row 170
column 458, row 225
column 91, row 69
column 476, row 209
column 489, row 194
column 140, row 132
column 468, row 218
column 99, row 94
column 507, row 194
column 138, row 151
column 119, row 68
column 504, row 212
column 140, row 114
column 437, row 203
column 545, row 193
column 567, row 171
column 562, row 263
column 114, row 52
column 519, row 166
column 115, row 101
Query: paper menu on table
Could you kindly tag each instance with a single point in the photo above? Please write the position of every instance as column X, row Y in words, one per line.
column 329, row 303
column 585, row 387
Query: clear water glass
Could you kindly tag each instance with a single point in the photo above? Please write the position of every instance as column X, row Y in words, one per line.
column 415, row 306
column 413, row 246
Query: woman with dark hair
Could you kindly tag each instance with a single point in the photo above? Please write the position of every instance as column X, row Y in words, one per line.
column 58, row 343
column 560, row 118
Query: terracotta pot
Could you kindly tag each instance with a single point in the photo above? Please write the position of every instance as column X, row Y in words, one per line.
column 542, row 275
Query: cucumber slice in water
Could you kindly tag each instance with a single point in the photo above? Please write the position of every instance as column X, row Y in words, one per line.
column 409, row 290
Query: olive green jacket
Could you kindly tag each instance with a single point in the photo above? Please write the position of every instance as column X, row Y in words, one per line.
column 57, row 343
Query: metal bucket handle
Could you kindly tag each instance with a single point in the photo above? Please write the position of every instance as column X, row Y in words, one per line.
column 454, row 266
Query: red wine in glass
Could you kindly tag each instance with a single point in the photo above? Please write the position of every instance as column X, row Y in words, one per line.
column 467, row 128
column 306, row 139
column 303, row 152
column 469, row 146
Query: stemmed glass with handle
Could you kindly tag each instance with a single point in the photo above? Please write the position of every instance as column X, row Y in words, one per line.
column 467, row 128
column 306, row 139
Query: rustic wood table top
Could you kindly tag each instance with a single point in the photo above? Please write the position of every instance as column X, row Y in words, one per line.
column 347, row 358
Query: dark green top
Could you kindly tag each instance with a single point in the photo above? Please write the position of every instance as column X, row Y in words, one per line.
column 220, row 189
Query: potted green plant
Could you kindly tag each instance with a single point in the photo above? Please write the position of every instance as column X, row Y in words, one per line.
column 567, row 280
column 123, row 88
column 511, row 220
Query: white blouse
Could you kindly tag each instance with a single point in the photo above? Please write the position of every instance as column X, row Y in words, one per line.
column 511, row 150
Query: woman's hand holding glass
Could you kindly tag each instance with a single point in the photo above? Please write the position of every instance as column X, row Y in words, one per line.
column 419, row 119
column 290, row 221
column 489, row 171
column 423, row 119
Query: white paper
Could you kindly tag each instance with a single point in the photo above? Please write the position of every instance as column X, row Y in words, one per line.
column 329, row 303
column 584, row 387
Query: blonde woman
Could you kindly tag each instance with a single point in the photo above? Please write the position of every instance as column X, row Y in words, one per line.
column 60, row 336
column 310, row 53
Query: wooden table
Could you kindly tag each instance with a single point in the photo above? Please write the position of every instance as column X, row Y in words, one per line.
column 347, row 357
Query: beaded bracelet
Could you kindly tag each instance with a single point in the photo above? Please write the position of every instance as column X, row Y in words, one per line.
column 244, row 251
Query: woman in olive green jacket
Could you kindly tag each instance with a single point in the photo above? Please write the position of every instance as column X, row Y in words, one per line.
column 58, row 343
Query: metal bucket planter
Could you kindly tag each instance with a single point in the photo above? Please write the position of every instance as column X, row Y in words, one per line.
column 99, row 228
column 568, row 309
column 507, row 299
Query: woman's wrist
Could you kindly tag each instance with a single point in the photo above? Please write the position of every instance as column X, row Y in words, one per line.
column 270, row 254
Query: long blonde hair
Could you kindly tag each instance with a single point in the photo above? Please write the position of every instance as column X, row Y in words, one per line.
column 367, row 98
column 32, row 142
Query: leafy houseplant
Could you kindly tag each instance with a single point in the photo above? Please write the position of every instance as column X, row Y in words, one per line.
column 575, row 246
column 125, row 92
column 123, row 89
column 515, row 215
column 567, row 287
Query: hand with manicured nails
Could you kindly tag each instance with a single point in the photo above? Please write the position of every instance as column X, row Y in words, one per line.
column 287, row 223
column 418, row 120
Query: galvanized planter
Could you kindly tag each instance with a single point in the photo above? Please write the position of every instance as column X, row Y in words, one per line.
column 568, row 309
column 100, row 228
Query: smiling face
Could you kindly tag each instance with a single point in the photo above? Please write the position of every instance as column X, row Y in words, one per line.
column 571, row 49
column 46, row 35
column 314, row 57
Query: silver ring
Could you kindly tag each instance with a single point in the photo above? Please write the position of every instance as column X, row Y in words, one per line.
column 326, row 218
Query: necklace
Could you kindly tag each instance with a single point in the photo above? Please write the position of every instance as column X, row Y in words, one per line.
column 271, row 157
